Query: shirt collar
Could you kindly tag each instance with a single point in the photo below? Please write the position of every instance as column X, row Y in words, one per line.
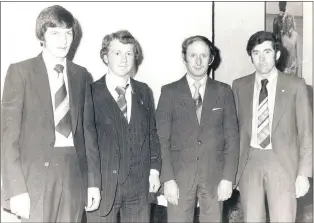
column 191, row 80
column 51, row 62
column 271, row 77
column 113, row 81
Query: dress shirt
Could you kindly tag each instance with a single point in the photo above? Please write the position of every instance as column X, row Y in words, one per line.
column 202, row 81
column 112, row 82
column 50, row 62
column 271, row 89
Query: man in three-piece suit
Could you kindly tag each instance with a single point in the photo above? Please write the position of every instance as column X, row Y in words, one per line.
column 127, row 137
column 275, row 123
column 198, row 131
column 50, row 159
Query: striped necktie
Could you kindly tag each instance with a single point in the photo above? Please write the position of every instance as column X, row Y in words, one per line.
column 62, row 108
column 121, row 101
column 198, row 100
column 263, row 129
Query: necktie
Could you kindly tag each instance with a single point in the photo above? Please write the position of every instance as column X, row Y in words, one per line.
column 198, row 100
column 263, row 129
column 62, row 108
column 121, row 101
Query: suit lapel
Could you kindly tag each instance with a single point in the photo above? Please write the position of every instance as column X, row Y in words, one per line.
column 281, row 99
column 211, row 96
column 74, row 94
column 40, row 81
column 247, row 93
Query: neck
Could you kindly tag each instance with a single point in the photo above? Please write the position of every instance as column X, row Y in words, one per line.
column 52, row 58
column 267, row 75
column 120, row 80
column 196, row 78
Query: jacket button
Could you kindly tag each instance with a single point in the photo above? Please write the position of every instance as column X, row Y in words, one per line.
column 114, row 171
column 46, row 164
column 196, row 158
column 199, row 142
column 51, row 144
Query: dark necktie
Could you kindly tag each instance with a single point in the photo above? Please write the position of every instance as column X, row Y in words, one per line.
column 121, row 101
column 198, row 100
column 263, row 129
column 62, row 108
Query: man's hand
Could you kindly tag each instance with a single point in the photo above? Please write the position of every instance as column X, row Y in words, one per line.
column 171, row 191
column 93, row 199
column 154, row 182
column 20, row 205
column 224, row 190
column 302, row 186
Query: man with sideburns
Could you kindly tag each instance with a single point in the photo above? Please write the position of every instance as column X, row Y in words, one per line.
column 50, row 158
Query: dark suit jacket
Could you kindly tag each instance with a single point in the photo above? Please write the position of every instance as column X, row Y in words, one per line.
column 292, row 123
column 28, row 132
column 108, row 119
column 212, row 146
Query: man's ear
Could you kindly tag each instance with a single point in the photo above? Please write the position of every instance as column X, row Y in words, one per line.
column 278, row 54
column 184, row 58
column 106, row 59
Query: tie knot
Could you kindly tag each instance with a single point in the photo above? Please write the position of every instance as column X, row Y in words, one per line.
column 197, row 85
column 59, row 68
column 121, row 90
column 264, row 82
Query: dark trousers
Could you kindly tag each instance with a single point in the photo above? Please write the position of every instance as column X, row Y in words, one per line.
column 263, row 177
column 62, row 198
column 130, row 204
column 210, row 208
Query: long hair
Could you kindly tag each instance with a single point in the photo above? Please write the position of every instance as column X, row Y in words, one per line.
column 286, row 28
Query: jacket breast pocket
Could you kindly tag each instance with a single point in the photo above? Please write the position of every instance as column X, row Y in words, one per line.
column 216, row 117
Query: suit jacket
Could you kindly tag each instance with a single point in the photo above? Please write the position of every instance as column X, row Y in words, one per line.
column 212, row 146
column 291, row 128
column 28, row 129
column 110, row 132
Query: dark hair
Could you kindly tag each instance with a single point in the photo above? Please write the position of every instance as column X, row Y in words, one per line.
column 260, row 37
column 124, row 37
column 282, row 6
column 53, row 16
column 187, row 42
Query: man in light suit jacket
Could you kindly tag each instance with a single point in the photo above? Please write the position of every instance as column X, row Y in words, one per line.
column 127, row 137
column 50, row 159
column 198, row 131
column 275, row 122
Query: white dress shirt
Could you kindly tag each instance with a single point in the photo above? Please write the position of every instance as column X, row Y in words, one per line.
column 271, row 89
column 112, row 81
column 61, row 140
column 202, row 81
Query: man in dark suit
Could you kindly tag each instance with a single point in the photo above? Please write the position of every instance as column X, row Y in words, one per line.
column 127, row 136
column 198, row 131
column 50, row 159
column 275, row 122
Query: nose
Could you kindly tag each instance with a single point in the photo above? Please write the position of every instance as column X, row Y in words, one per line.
column 198, row 61
column 124, row 58
column 63, row 39
column 262, row 57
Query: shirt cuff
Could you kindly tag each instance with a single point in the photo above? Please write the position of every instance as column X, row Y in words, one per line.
column 154, row 171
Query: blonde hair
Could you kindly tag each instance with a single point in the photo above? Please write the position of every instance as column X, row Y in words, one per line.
column 288, row 15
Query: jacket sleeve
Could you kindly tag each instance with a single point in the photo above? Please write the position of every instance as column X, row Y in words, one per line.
column 13, row 181
column 231, row 136
column 90, row 136
column 305, row 130
column 164, row 126
column 154, row 145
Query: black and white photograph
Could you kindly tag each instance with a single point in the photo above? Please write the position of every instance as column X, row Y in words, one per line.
column 156, row 111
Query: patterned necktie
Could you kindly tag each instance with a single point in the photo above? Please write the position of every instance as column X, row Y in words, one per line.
column 121, row 101
column 198, row 100
column 263, row 129
column 62, row 108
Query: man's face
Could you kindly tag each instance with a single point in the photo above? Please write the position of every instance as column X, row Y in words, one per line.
column 120, row 58
column 264, row 57
column 58, row 41
column 197, row 59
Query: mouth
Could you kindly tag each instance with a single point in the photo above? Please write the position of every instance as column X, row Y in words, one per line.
column 198, row 68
